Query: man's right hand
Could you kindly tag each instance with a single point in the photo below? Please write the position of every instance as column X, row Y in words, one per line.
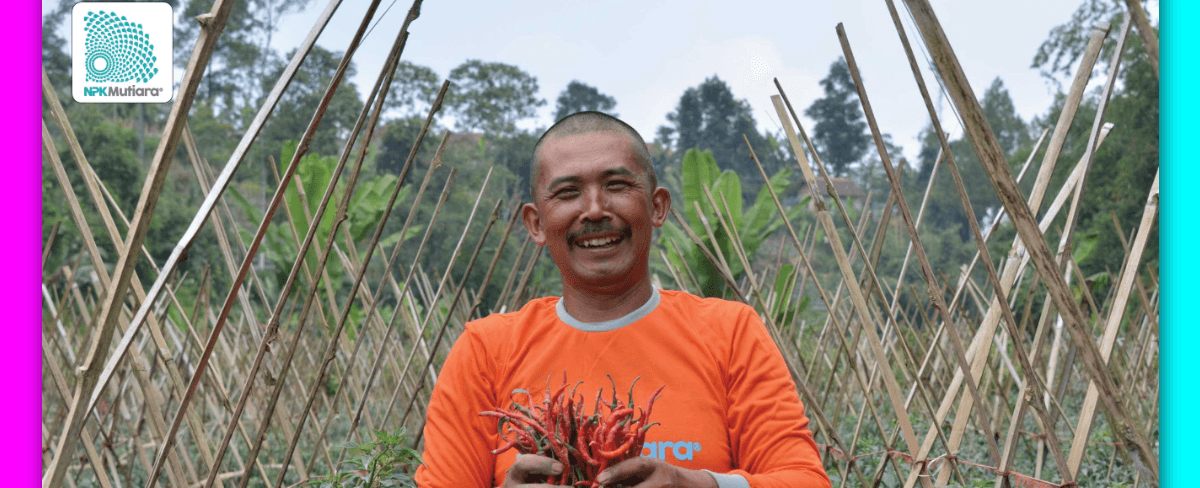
column 532, row 471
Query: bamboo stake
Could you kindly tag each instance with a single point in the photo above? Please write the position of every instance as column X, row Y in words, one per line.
column 457, row 295
column 807, row 395
column 856, row 294
column 107, row 318
column 380, row 88
column 998, row 288
column 1112, row 324
column 76, row 416
column 989, row 153
column 518, row 293
column 180, row 251
column 487, row 278
column 273, row 325
column 374, row 300
column 501, row 301
column 64, row 391
column 1148, row 33
column 95, row 187
column 1017, row 260
column 801, row 382
column 868, row 273
column 1071, row 216
column 401, row 291
column 418, row 334
column 432, row 310
column 386, row 75
column 935, row 295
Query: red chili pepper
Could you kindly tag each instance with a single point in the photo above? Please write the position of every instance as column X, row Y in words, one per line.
column 560, row 428
column 505, row 447
column 619, row 450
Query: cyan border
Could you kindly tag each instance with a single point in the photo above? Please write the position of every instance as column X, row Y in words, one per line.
column 1178, row 339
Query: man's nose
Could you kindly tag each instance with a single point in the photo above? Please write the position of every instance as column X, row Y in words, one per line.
column 595, row 208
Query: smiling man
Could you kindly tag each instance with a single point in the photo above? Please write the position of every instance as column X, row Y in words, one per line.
column 729, row 414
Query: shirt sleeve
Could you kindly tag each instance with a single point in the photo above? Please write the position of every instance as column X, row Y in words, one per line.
column 458, row 441
column 768, row 431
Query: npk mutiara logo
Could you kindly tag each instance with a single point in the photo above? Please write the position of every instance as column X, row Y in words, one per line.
column 121, row 52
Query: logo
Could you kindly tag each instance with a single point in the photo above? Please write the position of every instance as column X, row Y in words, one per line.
column 121, row 52
column 681, row 450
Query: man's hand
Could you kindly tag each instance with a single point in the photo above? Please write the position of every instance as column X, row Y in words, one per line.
column 644, row 472
column 531, row 471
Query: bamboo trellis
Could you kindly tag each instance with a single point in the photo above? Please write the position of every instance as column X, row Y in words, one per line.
column 254, row 397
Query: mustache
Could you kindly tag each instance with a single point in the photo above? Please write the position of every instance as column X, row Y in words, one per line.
column 592, row 227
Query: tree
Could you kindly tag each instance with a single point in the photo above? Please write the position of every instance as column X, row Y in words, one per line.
column 1057, row 55
column 300, row 101
column 945, row 206
column 1010, row 130
column 1123, row 170
column 55, row 59
column 930, row 147
column 491, row 97
column 708, row 117
column 241, row 58
column 870, row 176
column 1125, row 165
column 514, row 152
column 840, row 133
column 579, row 97
column 399, row 135
column 413, row 90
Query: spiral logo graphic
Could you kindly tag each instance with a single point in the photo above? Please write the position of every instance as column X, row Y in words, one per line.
column 117, row 50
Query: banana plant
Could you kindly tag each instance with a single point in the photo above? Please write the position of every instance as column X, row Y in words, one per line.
column 753, row 225
column 367, row 206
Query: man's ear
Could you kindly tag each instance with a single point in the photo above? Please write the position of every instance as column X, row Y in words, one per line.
column 661, row 199
column 533, row 223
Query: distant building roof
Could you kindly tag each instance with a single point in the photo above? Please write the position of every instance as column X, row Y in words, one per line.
column 464, row 137
column 845, row 188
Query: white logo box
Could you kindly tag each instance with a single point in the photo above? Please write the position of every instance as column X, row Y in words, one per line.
column 121, row 52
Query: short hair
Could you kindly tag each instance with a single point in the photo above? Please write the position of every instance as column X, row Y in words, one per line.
column 586, row 123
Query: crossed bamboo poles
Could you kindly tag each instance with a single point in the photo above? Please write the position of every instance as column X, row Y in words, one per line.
column 869, row 337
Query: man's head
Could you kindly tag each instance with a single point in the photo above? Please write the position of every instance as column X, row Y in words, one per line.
column 595, row 203
column 583, row 123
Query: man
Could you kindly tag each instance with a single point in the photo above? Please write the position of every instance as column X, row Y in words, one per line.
column 729, row 413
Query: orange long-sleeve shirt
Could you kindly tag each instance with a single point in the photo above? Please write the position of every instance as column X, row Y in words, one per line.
column 729, row 405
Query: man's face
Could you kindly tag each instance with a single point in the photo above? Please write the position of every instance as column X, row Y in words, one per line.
column 594, row 210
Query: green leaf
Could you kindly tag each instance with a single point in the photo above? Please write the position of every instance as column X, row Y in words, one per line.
column 1098, row 280
column 784, row 282
column 252, row 212
column 356, row 316
column 730, row 186
column 762, row 218
column 1085, row 245
column 369, row 203
column 699, row 168
column 394, row 238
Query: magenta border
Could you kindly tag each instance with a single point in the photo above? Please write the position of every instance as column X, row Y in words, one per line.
column 20, row 197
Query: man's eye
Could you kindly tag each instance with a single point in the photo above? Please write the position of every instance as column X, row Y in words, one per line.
column 566, row 193
column 618, row 184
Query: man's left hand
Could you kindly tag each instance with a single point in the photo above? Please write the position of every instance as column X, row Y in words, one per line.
column 644, row 472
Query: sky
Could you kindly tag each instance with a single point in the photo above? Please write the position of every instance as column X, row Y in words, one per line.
column 646, row 53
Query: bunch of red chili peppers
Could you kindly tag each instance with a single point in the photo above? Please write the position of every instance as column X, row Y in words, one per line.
column 560, row 429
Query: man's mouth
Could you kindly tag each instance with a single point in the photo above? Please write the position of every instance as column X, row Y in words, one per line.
column 602, row 241
column 598, row 242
